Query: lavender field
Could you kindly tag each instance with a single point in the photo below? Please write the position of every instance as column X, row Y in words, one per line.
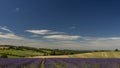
column 60, row 63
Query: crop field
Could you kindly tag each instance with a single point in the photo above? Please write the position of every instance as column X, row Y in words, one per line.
column 85, row 55
column 20, row 53
column 60, row 63
column 97, row 55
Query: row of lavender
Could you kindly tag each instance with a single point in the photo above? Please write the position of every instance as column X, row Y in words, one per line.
column 59, row 63
column 20, row 63
column 81, row 63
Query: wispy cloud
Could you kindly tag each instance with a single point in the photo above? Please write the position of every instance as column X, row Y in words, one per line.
column 73, row 27
column 109, row 38
column 58, row 40
column 62, row 37
column 34, row 36
column 5, row 29
column 100, row 38
column 9, row 35
column 42, row 32
column 16, row 9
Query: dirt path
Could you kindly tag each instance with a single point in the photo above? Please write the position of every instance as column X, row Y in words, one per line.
column 63, row 56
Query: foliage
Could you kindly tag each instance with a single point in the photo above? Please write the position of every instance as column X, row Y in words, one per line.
column 4, row 56
column 116, row 50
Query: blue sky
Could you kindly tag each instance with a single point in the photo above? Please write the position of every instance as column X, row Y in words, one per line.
column 69, row 24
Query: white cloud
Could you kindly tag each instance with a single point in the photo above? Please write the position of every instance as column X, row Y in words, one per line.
column 42, row 32
column 62, row 37
column 10, row 36
column 100, row 43
column 100, row 38
column 109, row 38
column 5, row 29
column 103, row 44
column 59, row 40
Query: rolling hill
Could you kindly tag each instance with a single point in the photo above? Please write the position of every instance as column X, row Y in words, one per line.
column 22, row 51
column 86, row 55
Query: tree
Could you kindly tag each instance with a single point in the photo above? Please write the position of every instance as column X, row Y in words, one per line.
column 53, row 52
column 4, row 56
column 116, row 50
column 45, row 53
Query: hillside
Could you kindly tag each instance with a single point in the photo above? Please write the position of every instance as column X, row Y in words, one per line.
column 23, row 51
column 20, row 53
column 97, row 55
column 86, row 55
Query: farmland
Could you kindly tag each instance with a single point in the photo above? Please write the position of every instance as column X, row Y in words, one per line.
column 22, row 51
column 97, row 55
column 86, row 55
column 19, row 53
column 27, row 57
column 31, row 52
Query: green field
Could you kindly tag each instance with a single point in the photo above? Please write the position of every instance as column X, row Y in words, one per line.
column 20, row 53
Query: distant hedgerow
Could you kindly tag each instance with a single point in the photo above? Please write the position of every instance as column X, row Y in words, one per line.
column 4, row 56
